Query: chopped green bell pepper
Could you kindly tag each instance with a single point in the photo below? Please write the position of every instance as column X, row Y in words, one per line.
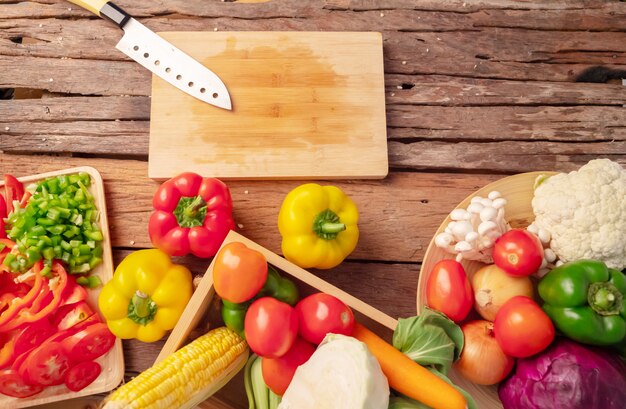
column 586, row 301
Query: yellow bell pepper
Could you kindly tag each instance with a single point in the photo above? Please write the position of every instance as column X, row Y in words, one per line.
column 318, row 225
column 146, row 296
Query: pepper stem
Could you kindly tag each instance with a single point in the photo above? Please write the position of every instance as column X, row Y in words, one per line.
column 604, row 298
column 190, row 211
column 327, row 225
column 141, row 308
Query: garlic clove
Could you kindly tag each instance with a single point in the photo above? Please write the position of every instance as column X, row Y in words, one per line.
column 488, row 213
column 493, row 195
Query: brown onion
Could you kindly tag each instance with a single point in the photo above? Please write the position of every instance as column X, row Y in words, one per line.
column 482, row 360
column 493, row 287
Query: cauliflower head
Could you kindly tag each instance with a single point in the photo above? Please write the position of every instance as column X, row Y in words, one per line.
column 585, row 213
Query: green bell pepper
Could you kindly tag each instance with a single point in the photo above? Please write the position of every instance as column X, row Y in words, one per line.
column 275, row 286
column 278, row 287
column 234, row 316
column 586, row 301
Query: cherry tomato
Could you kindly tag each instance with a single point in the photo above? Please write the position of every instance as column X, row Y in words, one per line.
column 321, row 313
column 449, row 291
column 518, row 252
column 47, row 364
column 239, row 272
column 90, row 343
column 271, row 327
column 522, row 328
column 82, row 375
column 278, row 372
column 11, row 384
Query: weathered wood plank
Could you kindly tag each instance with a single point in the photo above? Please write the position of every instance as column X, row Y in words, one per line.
column 481, row 52
column 454, row 91
column 576, row 123
column 504, row 156
column 408, row 207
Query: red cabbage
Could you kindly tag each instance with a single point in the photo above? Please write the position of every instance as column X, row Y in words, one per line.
column 566, row 375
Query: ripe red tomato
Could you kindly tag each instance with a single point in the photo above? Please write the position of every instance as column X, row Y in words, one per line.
column 320, row 313
column 522, row 328
column 47, row 364
column 82, row 375
column 271, row 327
column 278, row 372
column 11, row 384
column 518, row 252
column 239, row 272
column 449, row 291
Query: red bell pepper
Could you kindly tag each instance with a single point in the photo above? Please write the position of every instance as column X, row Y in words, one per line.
column 192, row 215
column 7, row 317
column 3, row 215
column 13, row 190
column 46, row 302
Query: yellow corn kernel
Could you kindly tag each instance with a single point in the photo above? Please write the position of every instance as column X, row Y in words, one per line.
column 181, row 376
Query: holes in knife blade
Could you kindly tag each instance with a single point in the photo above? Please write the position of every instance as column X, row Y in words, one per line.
column 215, row 95
column 168, row 70
column 179, row 77
column 136, row 48
column 190, row 84
column 146, row 55
column 157, row 62
column 202, row 90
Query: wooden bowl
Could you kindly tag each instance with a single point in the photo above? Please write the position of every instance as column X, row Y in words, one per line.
column 112, row 362
column 518, row 191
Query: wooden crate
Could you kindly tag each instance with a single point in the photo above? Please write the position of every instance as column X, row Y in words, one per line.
column 203, row 309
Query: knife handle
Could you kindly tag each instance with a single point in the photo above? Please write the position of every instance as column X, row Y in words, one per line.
column 106, row 9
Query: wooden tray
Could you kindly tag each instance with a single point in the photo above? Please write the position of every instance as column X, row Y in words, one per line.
column 199, row 307
column 518, row 191
column 113, row 362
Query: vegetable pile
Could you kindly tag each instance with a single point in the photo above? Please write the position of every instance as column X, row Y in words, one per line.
column 575, row 248
column 49, row 334
column 296, row 340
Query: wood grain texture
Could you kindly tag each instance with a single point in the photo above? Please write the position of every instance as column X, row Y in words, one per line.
column 475, row 90
column 304, row 105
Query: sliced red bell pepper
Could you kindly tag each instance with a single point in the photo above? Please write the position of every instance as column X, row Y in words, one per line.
column 70, row 315
column 3, row 215
column 48, row 300
column 7, row 317
column 7, row 352
column 13, row 190
column 73, row 292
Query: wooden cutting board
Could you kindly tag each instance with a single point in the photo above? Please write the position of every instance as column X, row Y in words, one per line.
column 305, row 105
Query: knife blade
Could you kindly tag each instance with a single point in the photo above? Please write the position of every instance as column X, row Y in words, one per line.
column 161, row 57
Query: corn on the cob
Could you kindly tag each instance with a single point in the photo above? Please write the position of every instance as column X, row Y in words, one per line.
column 192, row 370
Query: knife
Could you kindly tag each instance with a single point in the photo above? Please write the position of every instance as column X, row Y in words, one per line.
column 161, row 57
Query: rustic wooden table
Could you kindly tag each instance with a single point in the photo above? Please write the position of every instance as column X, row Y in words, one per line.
column 475, row 90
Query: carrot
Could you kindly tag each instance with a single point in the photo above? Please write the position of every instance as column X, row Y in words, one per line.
column 408, row 377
